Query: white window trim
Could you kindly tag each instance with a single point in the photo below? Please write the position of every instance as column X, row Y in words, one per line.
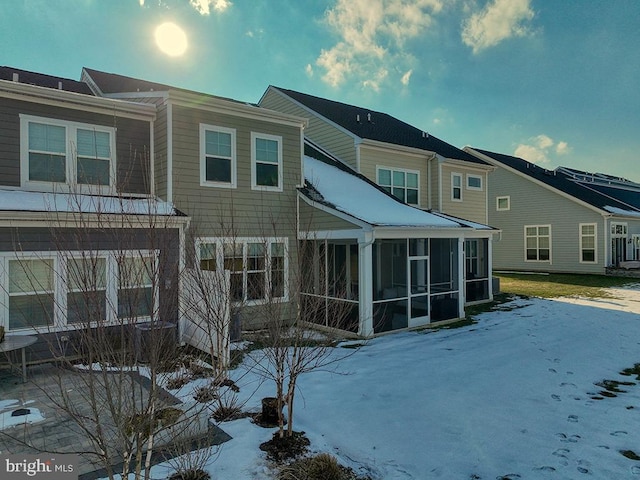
column 71, row 129
column 479, row 177
column 254, row 184
column 508, row 199
column 538, row 236
column 403, row 170
column 595, row 242
column 244, row 241
column 60, row 286
column 203, row 164
column 453, row 187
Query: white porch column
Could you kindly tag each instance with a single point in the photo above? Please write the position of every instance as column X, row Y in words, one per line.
column 365, row 282
column 490, row 265
column 461, row 278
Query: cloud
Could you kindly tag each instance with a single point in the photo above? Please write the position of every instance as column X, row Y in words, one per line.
column 539, row 148
column 497, row 21
column 406, row 77
column 309, row 70
column 371, row 36
column 204, row 6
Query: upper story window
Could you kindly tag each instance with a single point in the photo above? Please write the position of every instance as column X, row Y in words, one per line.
column 266, row 162
column 402, row 184
column 474, row 182
column 217, row 156
column 503, row 203
column 456, row 187
column 66, row 153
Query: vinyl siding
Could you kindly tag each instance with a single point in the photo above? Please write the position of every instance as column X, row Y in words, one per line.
column 474, row 202
column 237, row 212
column 532, row 204
column 332, row 139
column 313, row 219
column 371, row 158
column 132, row 142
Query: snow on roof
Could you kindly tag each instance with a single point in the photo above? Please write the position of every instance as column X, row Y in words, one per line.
column 20, row 201
column 353, row 196
column 620, row 211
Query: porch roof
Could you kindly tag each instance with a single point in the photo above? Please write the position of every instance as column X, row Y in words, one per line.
column 333, row 186
column 21, row 201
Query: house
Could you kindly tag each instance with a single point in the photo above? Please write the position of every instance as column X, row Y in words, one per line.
column 410, row 163
column 389, row 264
column 561, row 220
column 84, row 241
column 234, row 169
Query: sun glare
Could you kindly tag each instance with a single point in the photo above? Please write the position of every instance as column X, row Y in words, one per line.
column 171, row 39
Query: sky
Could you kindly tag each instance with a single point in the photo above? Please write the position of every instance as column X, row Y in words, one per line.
column 554, row 82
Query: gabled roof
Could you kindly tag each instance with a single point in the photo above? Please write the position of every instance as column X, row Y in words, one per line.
column 113, row 83
column 331, row 183
column 605, row 192
column 369, row 124
column 42, row 80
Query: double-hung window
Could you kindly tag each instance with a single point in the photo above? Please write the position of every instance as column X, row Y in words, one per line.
column 588, row 242
column 56, row 152
column 217, row 156
column 31, row 293
column 135, row 289
column 537, row 243
column 402, row 184
column 70, row 289
column 266, row 162
column 456, row 187
column 257, row 267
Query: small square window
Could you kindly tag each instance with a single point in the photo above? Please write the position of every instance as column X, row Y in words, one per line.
column 474, row 182
column 503, row 203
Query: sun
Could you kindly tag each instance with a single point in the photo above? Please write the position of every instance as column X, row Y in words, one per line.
column 171, row 39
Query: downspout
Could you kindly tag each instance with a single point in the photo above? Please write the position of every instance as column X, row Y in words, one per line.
column 429, row 192
column 439, row 185
column 169, row 151
column 365, row 283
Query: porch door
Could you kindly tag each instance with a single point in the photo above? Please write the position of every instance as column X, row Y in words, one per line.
column 635, row 241
column 418, row 291
column 618, row 250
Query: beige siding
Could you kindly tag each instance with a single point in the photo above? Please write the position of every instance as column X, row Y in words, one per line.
column 372, row 158
column 474, row 202
column 236, row 212
column 313, row 219
column 329, row 137
column 533, row 204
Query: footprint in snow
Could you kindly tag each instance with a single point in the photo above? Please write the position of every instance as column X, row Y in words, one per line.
column 561, row 452
column 568, row 438
column 583, row 466
column 556, row 397
column 572, row 418
column 635, row 470
column 545, row 468
column 568, row 384
column 553, row 370
column 618, row 433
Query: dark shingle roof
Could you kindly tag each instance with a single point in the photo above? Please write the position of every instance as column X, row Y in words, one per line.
column 42, row 80
column 111, row 83
column 372, row 125
column 579, row 185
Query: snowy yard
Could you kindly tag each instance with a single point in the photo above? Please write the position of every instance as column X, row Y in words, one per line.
column 509, row 397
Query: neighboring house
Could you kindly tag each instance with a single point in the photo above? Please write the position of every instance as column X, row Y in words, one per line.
column 561, row 220
column 234, row 168
column 83, row 240
column 413, row 165
column 391, row 265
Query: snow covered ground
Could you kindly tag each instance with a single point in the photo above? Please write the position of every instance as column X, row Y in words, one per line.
column 509, row 397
